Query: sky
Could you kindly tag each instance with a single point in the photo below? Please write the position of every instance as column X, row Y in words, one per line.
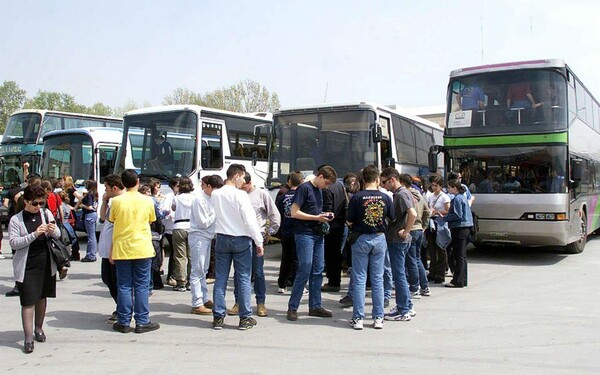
column 392, row 52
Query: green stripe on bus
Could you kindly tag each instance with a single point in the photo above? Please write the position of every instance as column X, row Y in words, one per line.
column 506, row 140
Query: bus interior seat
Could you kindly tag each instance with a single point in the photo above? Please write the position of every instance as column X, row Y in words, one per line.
column 306, row 164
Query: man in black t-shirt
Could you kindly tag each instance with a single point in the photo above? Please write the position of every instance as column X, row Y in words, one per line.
column 309, row 230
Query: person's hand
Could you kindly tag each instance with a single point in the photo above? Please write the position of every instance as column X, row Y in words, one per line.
column 325, row 217
column 402, row 233
column 260, row 251
column 41, row 230
column 26, row 165
column 50, row 228
column 105, row 196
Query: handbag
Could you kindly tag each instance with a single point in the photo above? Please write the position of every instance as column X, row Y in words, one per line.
column 59, row 252
column 79, row 221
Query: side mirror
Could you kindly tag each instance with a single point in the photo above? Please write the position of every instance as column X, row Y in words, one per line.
column 256, row 136
column 376, row 132
column 576, row 170
column 433, row 158
column 254, row 158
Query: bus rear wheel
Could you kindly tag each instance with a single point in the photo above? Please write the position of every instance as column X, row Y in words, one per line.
column 578, row 246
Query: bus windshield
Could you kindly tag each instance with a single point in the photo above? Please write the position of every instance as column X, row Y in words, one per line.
column 11, row 171
column 72, row 156
column 22, row 128
column 163, row 144
column 517, row 169
column 513, row 101
column 305, row 141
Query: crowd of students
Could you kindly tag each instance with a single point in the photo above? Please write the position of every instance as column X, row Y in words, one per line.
column 376, row 218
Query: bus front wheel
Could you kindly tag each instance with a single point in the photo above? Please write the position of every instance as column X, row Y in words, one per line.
column 578, row 246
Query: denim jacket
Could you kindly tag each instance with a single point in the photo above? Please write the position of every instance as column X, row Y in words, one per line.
column 442, row 236
column 459, row 215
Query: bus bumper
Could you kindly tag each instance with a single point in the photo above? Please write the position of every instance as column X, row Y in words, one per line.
column 523, row 233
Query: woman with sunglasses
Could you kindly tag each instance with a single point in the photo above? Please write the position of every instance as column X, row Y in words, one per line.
column 33, row 266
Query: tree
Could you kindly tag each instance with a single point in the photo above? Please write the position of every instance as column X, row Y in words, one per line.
column 12, row 98
column 55, row 101
column 244, row 96
column 100, row 109
column 130, row 105
column 183, row 96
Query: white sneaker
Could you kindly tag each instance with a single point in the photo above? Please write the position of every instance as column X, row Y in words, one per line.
column 412, row 313
column 378, row 323
column 2, row 256
column 415, row 295
column 356, row 323
column 281, row 290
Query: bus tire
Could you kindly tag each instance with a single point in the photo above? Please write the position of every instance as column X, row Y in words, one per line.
column 578, row 246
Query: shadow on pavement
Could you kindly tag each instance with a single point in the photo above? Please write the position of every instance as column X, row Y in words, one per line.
column 516, row 256
column 12, row 339
column 78, row 320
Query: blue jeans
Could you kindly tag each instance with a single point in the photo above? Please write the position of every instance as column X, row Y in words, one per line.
column 387, row 276
column 90, row 230
column 258, row 273
column 398, row 252
column 417, row 277
column 368, row 252
column 72, row 236
column 310, row 250
column 238, row 250
column 133, row 279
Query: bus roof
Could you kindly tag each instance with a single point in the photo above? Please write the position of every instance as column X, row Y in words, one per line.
column 353, row 106
column 73, row 114
column 532, row 64
column 196, row 108
column 98, row 134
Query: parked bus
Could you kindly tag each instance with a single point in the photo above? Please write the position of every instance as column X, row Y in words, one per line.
column 348, row 137
column 22, row 141
column 84, row 154
column 203, row 141
column 525, row 137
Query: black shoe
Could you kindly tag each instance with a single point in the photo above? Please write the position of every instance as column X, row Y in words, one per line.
column 218, row 323
column 88, row 260
column 246, row 323
column 12, row 293
column 28, row 347
column 39, row 336
column 121, row 328
column 346, row 301
column 438, row 281
column 143, row 328
column 292, row 315
column 330, row 288
column 320, row 312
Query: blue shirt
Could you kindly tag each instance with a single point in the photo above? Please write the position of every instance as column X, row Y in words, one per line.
column 367, row 211
column 310, row 200
column 459, row 214
column 470, row 97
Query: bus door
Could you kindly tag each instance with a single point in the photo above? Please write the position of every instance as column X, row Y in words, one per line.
column 213, row 149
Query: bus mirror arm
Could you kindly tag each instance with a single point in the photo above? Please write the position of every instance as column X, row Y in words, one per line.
column 254, row 158
column 376, row 132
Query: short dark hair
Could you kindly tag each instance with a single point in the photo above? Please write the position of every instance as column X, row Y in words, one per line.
column 295, row 178
column 235, row 169
column 248, row 178
column 215, row 181
column 455, row 183
column 390, row 172
column 370, row 174
column 185, row 185
column 327, row 172
column 405, row 179
column 32, row 192
column 129, row 177
column 144, row 188
column 34, row 179
column 113, row 180
column 436, row 179
column 452, row 175
column 174, row 181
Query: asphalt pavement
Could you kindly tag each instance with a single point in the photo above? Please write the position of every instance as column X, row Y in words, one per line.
column 526, row 311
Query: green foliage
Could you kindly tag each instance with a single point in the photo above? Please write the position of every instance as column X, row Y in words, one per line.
column 55, row 101
column 244, row 96
column 100, row 109
column 12, row 98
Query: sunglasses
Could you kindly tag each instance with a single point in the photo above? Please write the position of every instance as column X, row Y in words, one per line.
column 37, row 203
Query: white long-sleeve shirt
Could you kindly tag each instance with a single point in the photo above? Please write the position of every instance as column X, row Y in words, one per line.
column 182, row 204
column 235, row 215
column 264, row 207
column 203, row 220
